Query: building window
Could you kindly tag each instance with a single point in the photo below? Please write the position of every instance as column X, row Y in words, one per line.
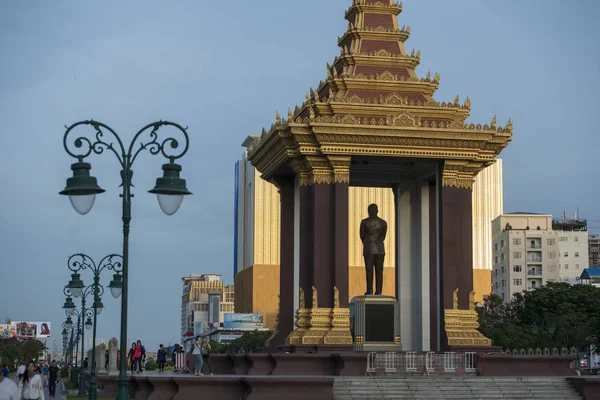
column 566, row 254
column 576, row 239
column 516, row 254
column 576, row 266
column 497, row 284
column 517, row 282
column 496, row 246
column 566, row 266
column 552, row 254
column 517, row 242
column 517, row 268
column 503, row 283
column 576, row 254
column 551, row 268
column 496, row 260
column 551, row 242
column 502, row 244
column 564, row 239
column 502, row 256
column 502, row 270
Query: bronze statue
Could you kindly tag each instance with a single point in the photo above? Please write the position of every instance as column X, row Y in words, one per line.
column 372, row 233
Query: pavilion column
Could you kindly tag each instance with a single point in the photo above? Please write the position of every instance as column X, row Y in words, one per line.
column 456, row 247
column 287, row 279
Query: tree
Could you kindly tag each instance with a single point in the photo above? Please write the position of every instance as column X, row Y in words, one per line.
column 20, row 350
column 249, row 342
column 555, row 315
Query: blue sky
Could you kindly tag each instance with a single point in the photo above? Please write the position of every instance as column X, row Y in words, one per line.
column 223, row 68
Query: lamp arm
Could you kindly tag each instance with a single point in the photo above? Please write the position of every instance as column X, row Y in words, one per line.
column 154, row 146
column 97, row 144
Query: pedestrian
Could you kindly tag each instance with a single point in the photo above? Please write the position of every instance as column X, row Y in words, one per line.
column 45, row 370
column 140, row 355
column 131, row 356
column 53, row 378
column 21, row 370
column 106, row 355
column 5, row 371
column 8, row 389
column 161, row 356
column 30, row 385
column 205, row 351
column 197, row 352
column 85, row 364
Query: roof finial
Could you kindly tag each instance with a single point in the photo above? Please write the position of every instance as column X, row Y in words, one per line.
column 467, row 103
column 457, row 101
column 493, row 124
column 290, row 115
column 277, row 118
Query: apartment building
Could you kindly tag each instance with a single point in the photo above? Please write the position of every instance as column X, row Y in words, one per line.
column 594, row 251
column 573, row 244
column 526, row 253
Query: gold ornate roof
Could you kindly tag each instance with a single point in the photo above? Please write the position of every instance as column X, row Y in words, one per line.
column 372, row 103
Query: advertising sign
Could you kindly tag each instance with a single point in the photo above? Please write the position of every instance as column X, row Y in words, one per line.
column 242, row 321
column 30, row 330
column 7, row 331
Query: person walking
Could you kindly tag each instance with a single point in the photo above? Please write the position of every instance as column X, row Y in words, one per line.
column 161, row 356
column 8, row 389
column 31, row 386
column 140, row 355
column 53, row 378
column 205, row 351
column 197, row 352
column 21, row 370
column 131, row 356
column 5, row 371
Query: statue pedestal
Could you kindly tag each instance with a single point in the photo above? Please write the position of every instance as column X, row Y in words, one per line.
column 375, row 323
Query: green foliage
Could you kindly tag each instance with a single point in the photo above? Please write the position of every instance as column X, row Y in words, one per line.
column 64, row 372
column 555, row 315
column 250, row 342
column 151, row 365
column 20, row 350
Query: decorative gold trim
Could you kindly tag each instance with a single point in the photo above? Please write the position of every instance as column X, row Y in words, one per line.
column 340, row 323
column 462, row 325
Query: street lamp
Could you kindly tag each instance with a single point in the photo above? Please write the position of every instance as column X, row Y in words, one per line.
column 82, row 189
column 82, row 262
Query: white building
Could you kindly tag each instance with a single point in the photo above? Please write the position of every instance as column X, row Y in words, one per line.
column 573, row 245
column 525, row 253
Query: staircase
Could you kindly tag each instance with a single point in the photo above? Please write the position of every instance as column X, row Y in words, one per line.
column 458, row 387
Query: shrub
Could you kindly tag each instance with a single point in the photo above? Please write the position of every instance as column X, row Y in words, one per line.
column 151, row 365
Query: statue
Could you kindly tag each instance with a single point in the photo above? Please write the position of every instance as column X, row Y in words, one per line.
column 302, row 303
column 455, row 299
column 372, row 233
column 472, row 300
column 336, row 297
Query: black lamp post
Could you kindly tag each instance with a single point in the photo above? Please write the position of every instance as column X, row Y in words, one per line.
column 81, row 262
column 82, row 189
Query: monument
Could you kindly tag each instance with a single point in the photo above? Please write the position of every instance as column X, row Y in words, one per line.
column 374, row 122
column 372, row 234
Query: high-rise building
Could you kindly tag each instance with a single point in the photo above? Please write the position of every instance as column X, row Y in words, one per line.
column 525, row 253
column 256, row 252
column 204, row 300
column 594, row 251
column 488, row 203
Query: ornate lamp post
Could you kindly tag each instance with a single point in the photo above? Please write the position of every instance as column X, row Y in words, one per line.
column 82, row 189
column 81, row 262
column 84, row 319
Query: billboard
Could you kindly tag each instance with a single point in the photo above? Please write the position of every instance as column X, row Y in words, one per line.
column 242, row 321
column 25, row 330
column 7, row 331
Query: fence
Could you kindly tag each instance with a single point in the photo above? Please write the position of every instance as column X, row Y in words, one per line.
column 413, row 362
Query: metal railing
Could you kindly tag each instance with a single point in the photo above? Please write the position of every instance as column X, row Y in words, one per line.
column 413, row 362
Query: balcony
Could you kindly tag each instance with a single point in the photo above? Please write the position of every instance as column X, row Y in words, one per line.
column 534, row 259
column 534, row 272
column 534, row 246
